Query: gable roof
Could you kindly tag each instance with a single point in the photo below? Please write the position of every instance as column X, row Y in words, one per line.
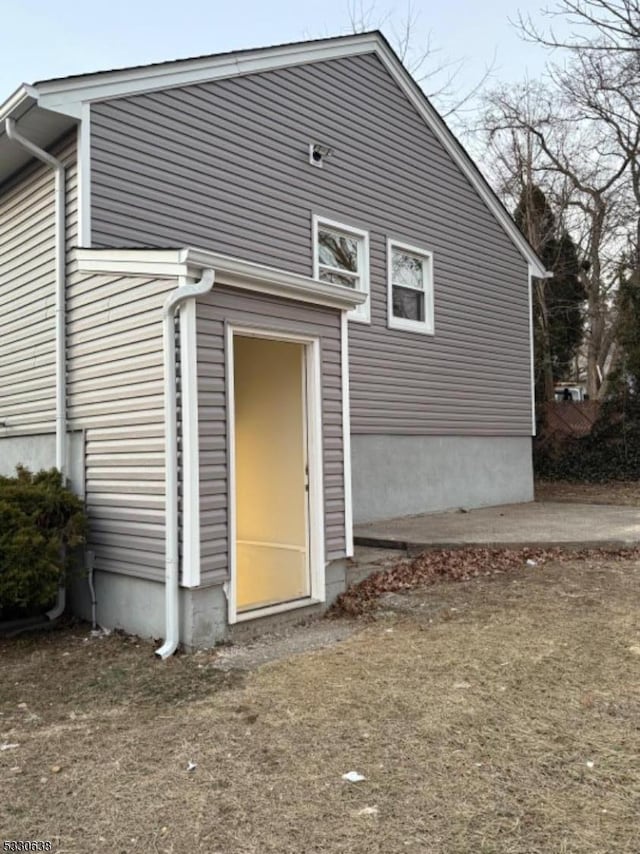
column 48, row 108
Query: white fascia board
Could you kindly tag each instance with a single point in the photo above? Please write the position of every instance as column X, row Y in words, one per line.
column 174, row 263
column 23, row 96
column 60, row 95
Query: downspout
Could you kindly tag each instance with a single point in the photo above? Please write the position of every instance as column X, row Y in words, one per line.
column 60, row 320
column 175, row 298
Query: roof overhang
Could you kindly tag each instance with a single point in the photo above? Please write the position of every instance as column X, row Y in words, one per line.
column 41, row 126
column 189, row 263
column 51, row 106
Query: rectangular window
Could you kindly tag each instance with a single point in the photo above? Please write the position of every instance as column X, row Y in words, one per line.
column 410, row 301
column 341, row 256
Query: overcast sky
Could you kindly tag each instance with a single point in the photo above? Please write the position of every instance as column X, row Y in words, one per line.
column 43, row 39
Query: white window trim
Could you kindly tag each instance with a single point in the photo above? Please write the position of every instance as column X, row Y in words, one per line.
column 362, row 313
column 426, row 326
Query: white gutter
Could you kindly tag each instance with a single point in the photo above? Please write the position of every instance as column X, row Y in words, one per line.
column 175, row 298
column 60, row 319
column 22, row 96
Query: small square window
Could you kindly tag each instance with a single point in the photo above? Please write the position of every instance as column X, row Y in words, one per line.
column 410, row 299
column 341, row 256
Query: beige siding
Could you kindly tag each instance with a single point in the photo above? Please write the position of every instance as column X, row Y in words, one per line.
column 240, row 183
column 225, row 305
column 115, row 394
column 27, row 292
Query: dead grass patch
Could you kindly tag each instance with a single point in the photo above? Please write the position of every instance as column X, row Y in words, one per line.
column 499, row 716
column 625, row 493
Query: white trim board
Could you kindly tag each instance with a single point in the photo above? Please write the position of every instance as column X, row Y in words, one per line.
column 69, row 96
column 190, row 444
column 174, row 263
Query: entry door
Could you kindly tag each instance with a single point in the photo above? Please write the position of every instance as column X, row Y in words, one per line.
column 271, row 473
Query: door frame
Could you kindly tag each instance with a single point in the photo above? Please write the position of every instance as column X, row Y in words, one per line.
column 313, row 420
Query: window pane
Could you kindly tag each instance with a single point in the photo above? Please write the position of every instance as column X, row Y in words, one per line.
column 406, row 269
column 338, row 250
column 408, row 304
column 338, row 278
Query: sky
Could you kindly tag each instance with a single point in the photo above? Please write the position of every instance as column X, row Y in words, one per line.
column 44, row 39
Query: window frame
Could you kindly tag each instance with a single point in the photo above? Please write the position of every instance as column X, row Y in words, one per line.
column 362, row 313
column 426, row 326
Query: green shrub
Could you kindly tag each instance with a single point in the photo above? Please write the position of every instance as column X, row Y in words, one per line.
column 610, row 452
column 41, row 523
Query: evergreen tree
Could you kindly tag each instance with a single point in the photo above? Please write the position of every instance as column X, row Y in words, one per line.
column 558, row 302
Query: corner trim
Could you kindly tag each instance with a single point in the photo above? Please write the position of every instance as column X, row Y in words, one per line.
column 84, row 177
column 190, row 445
column 532, row 366
column 346, row 436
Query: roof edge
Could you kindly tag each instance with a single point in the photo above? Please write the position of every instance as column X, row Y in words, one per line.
column 68, row 95
column 188, row 262
column 24, row 96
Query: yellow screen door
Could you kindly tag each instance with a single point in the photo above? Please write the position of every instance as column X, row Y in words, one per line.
column 271, row 480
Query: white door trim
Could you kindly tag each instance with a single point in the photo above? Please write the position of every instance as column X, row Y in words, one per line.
column 314, row 452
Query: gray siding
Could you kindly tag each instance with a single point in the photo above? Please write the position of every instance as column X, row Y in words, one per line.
column 229, row 305
column 115, row 394
column 225, row 166
column 27, row 292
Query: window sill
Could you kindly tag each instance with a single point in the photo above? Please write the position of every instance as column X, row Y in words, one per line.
column 408, row 326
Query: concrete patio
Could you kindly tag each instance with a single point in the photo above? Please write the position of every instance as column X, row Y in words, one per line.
column 536, row 523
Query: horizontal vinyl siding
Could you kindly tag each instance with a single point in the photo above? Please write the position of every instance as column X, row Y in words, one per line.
column 115, row 394
column 248, row 309
column 239, row 182
column 27, row 291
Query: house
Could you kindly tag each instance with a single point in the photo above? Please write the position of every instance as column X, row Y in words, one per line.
column 247, row 300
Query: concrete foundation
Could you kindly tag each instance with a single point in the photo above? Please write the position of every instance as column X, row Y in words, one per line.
column 403, row 475
column 136, row 605
column 35, row 452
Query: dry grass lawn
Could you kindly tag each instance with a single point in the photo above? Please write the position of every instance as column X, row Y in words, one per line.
column 614, row 492
column 493, row 716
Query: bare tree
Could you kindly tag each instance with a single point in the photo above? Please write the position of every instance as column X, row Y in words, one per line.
column 539, row 135
column 582, row 126
column 604, row 26
column 437, row 74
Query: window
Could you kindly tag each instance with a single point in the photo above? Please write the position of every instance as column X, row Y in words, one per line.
column 341, row 256
column 410, row 302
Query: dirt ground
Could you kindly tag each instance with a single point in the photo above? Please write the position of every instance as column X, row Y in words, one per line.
column 492, row 715
column 623, row 492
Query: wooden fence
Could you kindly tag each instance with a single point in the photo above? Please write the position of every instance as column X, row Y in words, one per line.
column 570, row 418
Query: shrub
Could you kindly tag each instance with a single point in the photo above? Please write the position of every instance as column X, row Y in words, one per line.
column 610, row 452
column 41, row 524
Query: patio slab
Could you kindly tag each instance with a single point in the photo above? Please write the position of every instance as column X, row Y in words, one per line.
column 543, row 523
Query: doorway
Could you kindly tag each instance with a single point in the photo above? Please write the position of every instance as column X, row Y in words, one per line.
column 272, row 474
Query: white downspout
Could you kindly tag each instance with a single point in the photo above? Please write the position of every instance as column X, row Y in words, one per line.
column 60, row 319
column 175, row 298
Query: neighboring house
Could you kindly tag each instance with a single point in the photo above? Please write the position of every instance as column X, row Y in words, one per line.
column 354, row 322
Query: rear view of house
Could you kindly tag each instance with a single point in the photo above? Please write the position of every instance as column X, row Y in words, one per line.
column 247, row 299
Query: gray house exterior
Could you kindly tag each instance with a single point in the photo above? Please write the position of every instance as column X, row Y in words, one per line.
column 367, row 287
